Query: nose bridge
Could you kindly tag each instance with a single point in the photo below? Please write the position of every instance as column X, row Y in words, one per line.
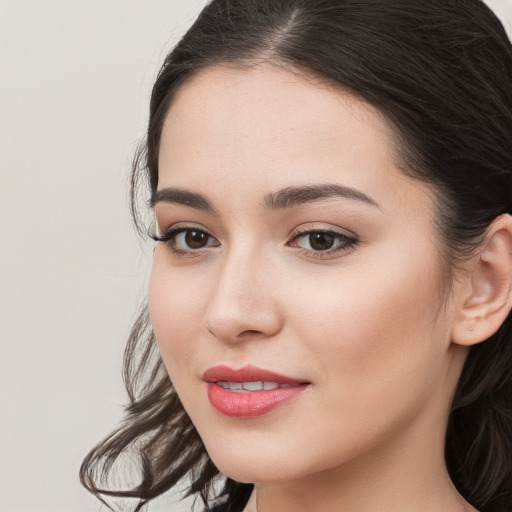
column 243, row 301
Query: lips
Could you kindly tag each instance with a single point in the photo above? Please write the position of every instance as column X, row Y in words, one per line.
column 249, row 391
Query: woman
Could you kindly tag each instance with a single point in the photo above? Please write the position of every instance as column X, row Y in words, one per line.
column 331, row 290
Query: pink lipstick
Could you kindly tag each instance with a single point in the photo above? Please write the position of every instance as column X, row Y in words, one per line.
column 249, row 391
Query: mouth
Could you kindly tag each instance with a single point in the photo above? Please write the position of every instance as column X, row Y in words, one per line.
column 249, row 391
column 248, row 387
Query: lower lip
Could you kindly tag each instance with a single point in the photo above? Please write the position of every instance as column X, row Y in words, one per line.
column 251, row 403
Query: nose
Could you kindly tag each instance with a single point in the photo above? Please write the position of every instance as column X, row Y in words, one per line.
column 244, row 304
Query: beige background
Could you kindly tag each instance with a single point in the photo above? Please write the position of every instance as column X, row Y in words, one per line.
column 74, row 88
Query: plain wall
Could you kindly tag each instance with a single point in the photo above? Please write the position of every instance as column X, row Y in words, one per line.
column 74, row 88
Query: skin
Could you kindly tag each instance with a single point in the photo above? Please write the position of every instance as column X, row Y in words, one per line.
column 369, row 326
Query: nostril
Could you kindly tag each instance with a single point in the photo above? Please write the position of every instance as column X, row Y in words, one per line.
column 248, row 333
column 238, row 321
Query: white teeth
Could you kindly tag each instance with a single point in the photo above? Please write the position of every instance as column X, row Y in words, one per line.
column 250, row 386
column 253, row 386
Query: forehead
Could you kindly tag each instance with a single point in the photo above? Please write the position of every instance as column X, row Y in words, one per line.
column 274, row 103
column 268, row 128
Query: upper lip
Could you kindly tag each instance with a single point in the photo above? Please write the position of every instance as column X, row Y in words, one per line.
column 246, row 374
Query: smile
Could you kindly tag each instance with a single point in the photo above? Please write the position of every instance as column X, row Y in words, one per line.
column 241, row 387
column 249, row 391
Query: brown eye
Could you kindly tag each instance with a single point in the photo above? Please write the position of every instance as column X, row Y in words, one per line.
column 321, row 241
column 184, row 240
column 327, row 242
column 196, row 239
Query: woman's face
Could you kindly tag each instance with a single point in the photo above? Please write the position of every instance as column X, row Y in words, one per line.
column 296, row 300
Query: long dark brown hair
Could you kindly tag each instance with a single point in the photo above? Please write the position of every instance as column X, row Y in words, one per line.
column 440, row 71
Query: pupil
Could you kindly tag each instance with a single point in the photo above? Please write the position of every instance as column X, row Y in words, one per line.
column 196, row 239
column 321, row 241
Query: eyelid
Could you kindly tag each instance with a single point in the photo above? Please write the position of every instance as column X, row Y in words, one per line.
column 323, row 228
column 157, row 234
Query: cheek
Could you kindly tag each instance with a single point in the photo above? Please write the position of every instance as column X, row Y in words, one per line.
column 375, row 346
column 374, row 323
column 176, row 311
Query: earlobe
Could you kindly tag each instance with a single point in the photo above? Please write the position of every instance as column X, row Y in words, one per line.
column 488, row 298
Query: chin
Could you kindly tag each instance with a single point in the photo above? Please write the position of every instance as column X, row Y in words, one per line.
column 251, row 468
column 258, row 464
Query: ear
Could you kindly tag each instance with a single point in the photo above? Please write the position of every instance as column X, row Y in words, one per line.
column 486, row 294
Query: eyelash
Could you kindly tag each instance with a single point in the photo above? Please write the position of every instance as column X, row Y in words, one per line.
column 346, row 242
column 169, row 237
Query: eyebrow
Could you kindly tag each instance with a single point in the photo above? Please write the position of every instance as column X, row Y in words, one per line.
column 285, row 198
column 183, row 197
column 294, row 196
